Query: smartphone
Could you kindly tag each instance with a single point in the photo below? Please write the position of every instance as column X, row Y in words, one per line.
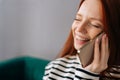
column 87, row 51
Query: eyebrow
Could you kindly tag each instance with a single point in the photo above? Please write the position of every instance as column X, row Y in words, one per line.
column 79, row 15
column 90, row 18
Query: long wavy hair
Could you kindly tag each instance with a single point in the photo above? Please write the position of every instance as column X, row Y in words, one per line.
column 111, row 15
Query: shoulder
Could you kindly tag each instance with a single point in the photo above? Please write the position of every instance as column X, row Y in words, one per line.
column 65, row 61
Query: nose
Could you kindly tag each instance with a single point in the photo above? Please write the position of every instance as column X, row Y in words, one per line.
column 81, row 27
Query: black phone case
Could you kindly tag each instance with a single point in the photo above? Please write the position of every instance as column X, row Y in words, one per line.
column 86, row 52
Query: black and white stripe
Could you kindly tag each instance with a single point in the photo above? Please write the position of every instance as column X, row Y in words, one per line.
column 67, row 69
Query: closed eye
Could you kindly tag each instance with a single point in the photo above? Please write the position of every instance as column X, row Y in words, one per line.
column 96, row 26
column 77, row 19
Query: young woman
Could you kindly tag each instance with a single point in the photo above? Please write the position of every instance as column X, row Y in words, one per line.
column 92, row 18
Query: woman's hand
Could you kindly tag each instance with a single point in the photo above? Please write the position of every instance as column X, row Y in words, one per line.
column 100, row 56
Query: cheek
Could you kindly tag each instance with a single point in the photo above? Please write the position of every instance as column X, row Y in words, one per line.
column 94, row 33
column 73, row 28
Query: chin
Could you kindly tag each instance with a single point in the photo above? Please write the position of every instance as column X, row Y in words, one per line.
column 77, row 47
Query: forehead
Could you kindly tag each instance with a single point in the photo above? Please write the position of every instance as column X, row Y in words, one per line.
column 91, row 8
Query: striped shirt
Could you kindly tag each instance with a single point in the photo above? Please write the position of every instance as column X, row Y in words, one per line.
column 68, row 68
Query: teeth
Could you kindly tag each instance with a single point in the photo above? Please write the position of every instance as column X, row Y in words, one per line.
column 79, row 38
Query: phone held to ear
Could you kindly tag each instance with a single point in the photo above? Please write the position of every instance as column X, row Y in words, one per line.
column 86, row 53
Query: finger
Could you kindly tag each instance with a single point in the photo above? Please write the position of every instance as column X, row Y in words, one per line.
column 96, row 51
column 107, row 50
column 104, row 50
column 107, row 46
column 103, row 47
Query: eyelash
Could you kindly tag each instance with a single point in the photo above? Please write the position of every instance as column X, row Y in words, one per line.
column 77, row 19
column 89, row 23
column 96, row 26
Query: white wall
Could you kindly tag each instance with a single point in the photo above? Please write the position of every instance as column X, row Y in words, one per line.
column 35, row 27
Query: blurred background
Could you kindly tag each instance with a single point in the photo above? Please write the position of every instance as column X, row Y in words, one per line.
column 35, row 28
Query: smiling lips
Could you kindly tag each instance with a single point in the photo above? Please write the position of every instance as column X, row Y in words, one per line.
column 81, row 40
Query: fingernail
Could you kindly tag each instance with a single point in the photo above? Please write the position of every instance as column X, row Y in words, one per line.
column 97, row 39
column 105, row 36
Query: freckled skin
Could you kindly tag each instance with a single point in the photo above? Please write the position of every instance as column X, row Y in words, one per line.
column 87, row 18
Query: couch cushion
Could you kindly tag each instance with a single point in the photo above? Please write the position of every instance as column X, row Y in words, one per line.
column 22, row 68
column 12, row 69
column 34, row 68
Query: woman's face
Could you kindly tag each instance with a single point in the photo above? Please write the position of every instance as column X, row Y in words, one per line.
column 88, row 22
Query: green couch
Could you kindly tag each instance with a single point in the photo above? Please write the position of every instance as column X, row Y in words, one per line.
column 22, row 68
